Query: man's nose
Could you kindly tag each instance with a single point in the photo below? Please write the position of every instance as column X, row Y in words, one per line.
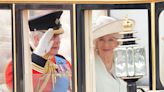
column 57, row 41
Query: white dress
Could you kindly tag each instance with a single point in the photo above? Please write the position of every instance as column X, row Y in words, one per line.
column 106, row 82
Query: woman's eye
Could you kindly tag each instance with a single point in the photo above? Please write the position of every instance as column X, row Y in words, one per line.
column 101, row 39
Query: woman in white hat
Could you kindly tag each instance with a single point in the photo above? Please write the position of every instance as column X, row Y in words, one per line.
column 105, row 35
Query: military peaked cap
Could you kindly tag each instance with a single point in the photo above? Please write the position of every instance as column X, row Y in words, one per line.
column 45, row 22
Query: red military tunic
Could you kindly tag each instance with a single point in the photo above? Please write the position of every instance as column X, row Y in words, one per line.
column 8, row 75
column 38, row 77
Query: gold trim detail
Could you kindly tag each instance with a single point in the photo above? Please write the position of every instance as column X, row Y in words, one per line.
column 56, row 32
column 74, row 40
column 79, row 1
column 49, row 71
column 37, row 68
column 14, row 44
column 153, row 46
column 159, row 0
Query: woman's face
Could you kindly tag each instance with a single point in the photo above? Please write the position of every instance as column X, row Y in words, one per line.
column 106, row 44
column 56, row 44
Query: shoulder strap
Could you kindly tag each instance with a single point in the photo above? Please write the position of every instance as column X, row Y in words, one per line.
column 38, row 63
column 60, row 59
column 38, row 60
column 60, row 56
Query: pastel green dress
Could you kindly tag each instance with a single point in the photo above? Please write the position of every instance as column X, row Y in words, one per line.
column 106, row 82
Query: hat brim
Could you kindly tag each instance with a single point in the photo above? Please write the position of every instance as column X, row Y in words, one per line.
column 59, row 31
column 56, row 32
column 109, row 28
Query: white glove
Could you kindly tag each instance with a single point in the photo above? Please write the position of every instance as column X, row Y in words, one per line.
column 45, row 43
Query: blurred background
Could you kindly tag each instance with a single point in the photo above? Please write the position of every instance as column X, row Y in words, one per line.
column 5, row 46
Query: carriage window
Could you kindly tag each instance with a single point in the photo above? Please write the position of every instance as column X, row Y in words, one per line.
column 41, row 24
column 5, row 51
column 117, row 37
column 47, row 47
column 140, row 16
column 160, row 44
column 104, row 47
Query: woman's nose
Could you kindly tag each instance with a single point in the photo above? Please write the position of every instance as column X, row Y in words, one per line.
column 108, row 44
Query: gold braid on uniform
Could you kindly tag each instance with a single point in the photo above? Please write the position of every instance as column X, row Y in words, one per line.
column 48, row 71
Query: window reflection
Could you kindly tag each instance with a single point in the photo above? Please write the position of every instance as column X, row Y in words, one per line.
column 141, row 26
column 161, row 47
column 59, row 79
column 5, row 50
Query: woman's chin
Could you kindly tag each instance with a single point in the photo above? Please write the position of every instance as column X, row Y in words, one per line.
column 107, row 52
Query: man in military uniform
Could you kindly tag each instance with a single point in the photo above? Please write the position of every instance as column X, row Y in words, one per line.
column 51, row 71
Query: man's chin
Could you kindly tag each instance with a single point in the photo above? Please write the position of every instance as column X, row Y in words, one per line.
column 53, row 53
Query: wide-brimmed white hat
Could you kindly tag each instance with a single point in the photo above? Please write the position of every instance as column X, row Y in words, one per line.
column 107, row 25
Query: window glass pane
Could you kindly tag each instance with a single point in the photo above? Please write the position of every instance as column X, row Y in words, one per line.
column 51, row 46
column 105, row 48
column 161, row 47
column 140, row 16
column 5, row 51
